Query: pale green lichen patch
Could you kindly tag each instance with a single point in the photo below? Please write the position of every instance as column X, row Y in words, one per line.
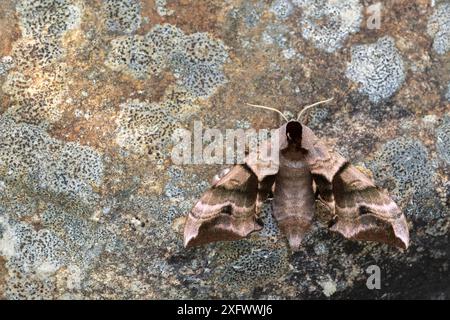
column 137, row 55
column 282, row 8
column 37, row 95
column 328, row 23
column 146, row 127
column 161, row 8
column 6, row 63
column 378, row 68
column 48, row 18
column 84, row 240
column 35, row 257
column 37, row 82
column 195, row 60
column 328, row 287
column 36, row 53
column 47, row 164
column 35, row 86
column 439, row 28
column 31, row 257
column 443, row 140
column 253, row 267
column 403, row 166
column 122, row 15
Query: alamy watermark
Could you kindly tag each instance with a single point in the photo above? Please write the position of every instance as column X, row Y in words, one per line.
column 214, row 146
column 374, row 279
column 374, row 16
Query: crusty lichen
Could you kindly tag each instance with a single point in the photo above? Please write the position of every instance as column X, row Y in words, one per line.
column 161, row 8
column 122, row 16
column 378, row 68
column 328, row 23
column 48, row 18
column 282, row 9
column 36, row 82
column 144, row 128
column 147, row 128
column 443, row 140
column 195, row 60
column 439, row 28
column 64, row 169
column 6, row 63
column 403, row 165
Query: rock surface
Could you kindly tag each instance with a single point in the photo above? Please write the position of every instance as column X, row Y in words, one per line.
column 91, row 92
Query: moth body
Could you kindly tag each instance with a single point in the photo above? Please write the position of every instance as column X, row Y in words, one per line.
column 293, row 202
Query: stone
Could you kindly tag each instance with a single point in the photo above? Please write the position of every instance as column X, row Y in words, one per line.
column 91, row 204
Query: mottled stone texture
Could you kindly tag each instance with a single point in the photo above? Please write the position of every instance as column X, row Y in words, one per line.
column 91, row 91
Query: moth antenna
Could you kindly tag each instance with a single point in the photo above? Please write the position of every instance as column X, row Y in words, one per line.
column 310, row 106
column 268, row 108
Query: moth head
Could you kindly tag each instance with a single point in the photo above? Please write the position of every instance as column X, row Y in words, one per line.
column 294, row 132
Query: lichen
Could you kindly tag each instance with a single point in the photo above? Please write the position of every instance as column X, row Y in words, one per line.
column 195, row 60
column 328, row 286
column 147, row 128
column 276, row 34
column 122, row 16
column 250, row 12
column 34, row 257
column 378, row 68
column 439, row 28
column 31, row 255
column 144, row 128
column 36, row 82
column 443, row 140
column 447, row 94
column 47, row 164
column 270, row 229
column 328, row 23
column 403, row 165
column 254, row 267
column 282, row 9
column 181, row 191
column 37, row 95
column 48, row 18
column 6, row 63
column 137, row 55
column 161, row 8
column 84, row 240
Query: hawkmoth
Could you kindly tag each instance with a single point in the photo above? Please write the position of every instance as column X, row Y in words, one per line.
column 306, row 172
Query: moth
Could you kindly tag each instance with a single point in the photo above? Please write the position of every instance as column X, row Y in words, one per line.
column 306, row 172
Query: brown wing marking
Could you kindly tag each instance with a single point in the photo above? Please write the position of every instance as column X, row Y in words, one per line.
column 227, row 211
column 365, row 212
column 362, row 211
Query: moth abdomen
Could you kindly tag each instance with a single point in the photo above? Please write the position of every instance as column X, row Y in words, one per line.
column 293, row 199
